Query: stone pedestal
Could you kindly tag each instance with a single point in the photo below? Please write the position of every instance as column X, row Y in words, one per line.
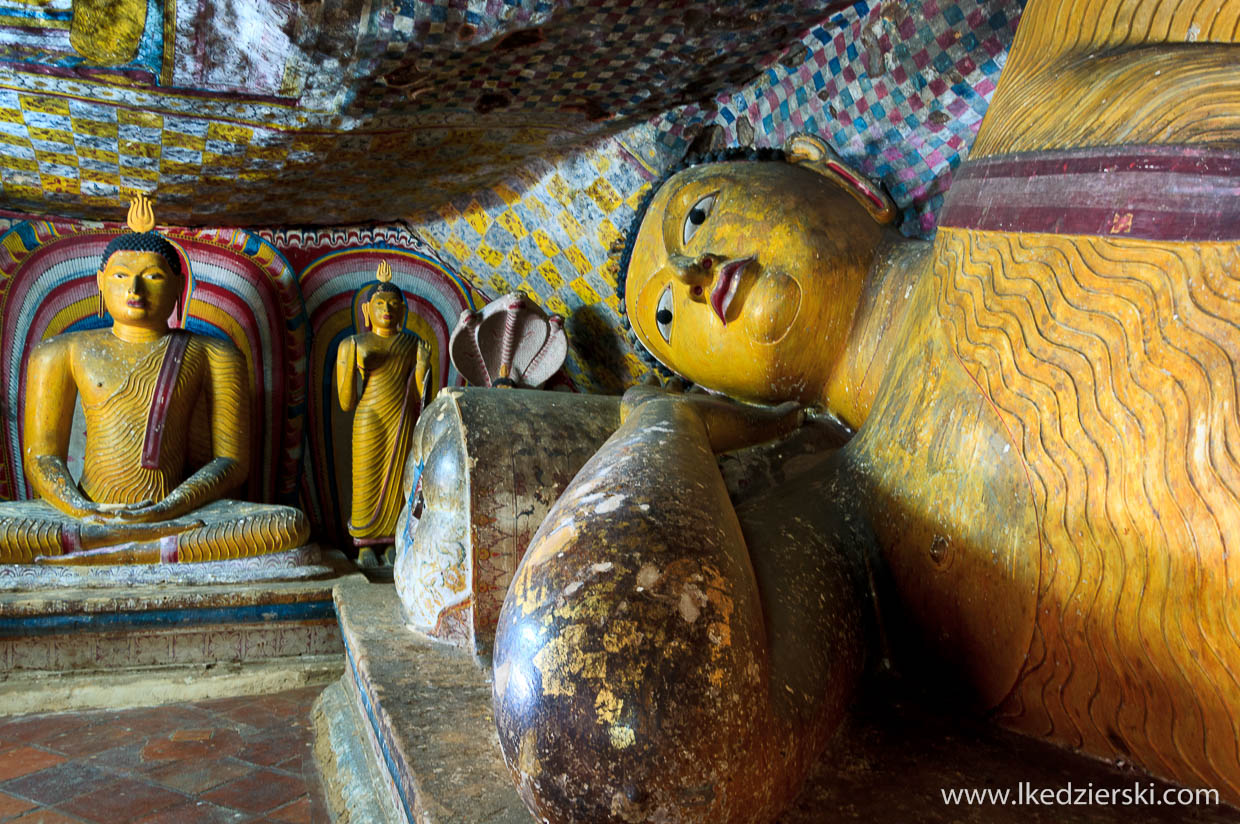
column 135, row 636
column 411, row 719
column 407, row 735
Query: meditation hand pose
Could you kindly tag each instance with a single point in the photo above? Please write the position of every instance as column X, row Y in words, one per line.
column 392, row 367
column 167, row 432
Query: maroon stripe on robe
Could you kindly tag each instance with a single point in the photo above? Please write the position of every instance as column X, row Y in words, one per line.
column 1151, row 192
column 169, row 370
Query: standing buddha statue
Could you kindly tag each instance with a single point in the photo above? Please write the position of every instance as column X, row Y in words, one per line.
column 381, row 376
column 166, row 431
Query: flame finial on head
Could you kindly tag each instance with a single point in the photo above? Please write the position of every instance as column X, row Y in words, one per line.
column 141, row 214
column 384, row 273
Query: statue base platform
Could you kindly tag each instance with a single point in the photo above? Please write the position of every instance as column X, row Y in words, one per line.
column 303, row 563
column 86, row 637
column 407, row 735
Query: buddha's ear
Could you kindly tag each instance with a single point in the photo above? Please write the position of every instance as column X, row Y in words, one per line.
column 814, row 154
column 366, row 313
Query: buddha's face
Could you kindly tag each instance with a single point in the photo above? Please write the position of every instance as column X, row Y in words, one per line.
column 386, row 311
column 744, row 277
column 139, row 288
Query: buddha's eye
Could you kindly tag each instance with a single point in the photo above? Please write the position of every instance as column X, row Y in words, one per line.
column 697, row 216
column 663, row 315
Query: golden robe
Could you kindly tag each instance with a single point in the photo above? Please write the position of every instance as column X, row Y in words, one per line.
column 382, row 435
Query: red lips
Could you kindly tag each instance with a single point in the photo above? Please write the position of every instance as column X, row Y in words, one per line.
column 725, row 286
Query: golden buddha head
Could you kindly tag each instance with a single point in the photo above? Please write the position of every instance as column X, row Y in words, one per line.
column 744, row 276
column 140, row 277
column 383, row 304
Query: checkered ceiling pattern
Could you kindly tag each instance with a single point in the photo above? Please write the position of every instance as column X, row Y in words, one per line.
column 348, row 112
column 898, row 88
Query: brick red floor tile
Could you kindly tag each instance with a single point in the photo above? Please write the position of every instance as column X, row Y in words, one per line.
column 10, row 806
column 181, row 715
column 295, row 812
column 221, row 705
column 192, row 735
column 175, row 764
column 282, row 707
column 220, row 743
column 198, row 775
column 45, row 817
column 258, row 792
column 125, row 760
column 270, row 747
column 144, row 723
column 318, row 813
column 97, row 736
column 195, row 812
column 293, row 763
column 123, row 799
column 59, row 783
column 260, row 714
column 304, row 697
column 19, row 761
column 31, row 729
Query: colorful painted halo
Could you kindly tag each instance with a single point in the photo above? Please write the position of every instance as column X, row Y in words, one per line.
column 332, row 286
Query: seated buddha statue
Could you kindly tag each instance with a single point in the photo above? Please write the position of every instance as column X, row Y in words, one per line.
column 167, row 431
column 1039, row 508
column 389, row 367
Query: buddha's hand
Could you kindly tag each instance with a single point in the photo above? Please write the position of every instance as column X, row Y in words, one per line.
column 146, row 512
column 729, row 424
column 112, row 508
column 104, row 513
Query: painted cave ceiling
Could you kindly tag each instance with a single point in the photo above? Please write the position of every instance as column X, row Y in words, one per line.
column 510, row 139
column 252, row 112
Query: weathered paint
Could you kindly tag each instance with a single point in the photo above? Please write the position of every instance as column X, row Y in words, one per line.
column 490, row 463
column 641, row 628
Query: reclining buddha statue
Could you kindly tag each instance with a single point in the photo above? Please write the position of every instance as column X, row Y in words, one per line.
column 1041, row 500
column 167, row 431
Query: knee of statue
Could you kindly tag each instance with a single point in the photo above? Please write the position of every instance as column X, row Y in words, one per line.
column 637, row 672
column 167, row 431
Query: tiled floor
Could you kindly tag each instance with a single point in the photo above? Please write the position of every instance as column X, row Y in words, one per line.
column 229, row 760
